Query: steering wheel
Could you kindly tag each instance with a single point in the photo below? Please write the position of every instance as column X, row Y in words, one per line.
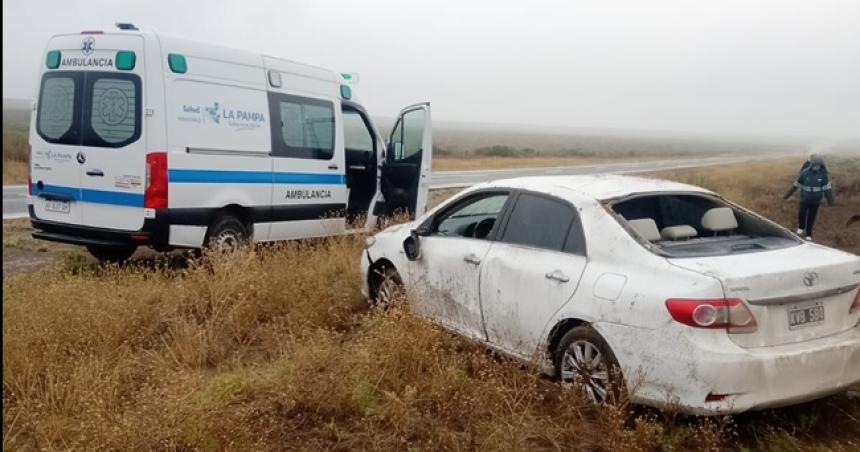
column 482, row 230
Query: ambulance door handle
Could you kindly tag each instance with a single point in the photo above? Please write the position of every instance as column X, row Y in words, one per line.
column 96, row 173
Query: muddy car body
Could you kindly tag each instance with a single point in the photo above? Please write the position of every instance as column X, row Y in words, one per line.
column 702, row 305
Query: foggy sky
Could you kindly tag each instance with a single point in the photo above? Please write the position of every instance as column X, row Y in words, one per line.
column 770, row 67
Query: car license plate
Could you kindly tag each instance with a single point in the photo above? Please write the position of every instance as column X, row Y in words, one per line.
column 53, row 205
column 805, row 315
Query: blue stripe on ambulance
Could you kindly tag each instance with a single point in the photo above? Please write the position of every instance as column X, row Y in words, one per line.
column 92, row 196
column 190, row 176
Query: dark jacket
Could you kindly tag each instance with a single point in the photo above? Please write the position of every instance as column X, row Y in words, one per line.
column 813, row 185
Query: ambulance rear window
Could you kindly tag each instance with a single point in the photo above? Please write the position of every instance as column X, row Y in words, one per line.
column 89, row 109
column 113, row 109
column 58, row 108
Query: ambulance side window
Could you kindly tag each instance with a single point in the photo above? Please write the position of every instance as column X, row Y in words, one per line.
column 302, row 127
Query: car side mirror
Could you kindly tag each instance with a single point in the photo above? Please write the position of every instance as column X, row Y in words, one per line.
column 412, row 246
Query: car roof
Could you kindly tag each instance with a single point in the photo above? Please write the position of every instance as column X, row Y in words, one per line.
column 599, row 187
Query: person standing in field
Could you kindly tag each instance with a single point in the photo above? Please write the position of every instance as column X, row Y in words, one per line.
column 814, row 184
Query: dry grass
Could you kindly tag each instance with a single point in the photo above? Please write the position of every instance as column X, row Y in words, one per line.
column 275, row 349
column 15, row 149
column 14, row 172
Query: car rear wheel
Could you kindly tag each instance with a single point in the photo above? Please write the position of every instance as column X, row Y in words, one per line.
column 387, row 286
column 113, row 255
column 584, row 360
column 227, row 232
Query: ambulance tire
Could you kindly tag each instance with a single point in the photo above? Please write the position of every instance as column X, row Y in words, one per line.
column 111, row 255
column 226, row 232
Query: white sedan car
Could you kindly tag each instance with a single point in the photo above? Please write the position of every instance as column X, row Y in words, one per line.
column 681, row 297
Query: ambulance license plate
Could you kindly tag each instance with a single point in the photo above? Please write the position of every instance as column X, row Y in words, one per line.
column 54, row 205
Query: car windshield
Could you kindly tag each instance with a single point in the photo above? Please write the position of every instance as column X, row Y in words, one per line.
column 695, row 225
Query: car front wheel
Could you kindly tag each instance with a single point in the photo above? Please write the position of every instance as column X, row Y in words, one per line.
column 387, row 286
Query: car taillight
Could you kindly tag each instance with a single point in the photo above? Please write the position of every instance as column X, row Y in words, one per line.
column 855, row 307
column 729, row 314
column 155, row 196
column 29, row 169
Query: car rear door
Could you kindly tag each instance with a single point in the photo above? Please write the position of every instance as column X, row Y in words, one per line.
column 405, row 174
column 531, row 271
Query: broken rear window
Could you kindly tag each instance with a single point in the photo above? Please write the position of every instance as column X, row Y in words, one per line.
column 694, row 225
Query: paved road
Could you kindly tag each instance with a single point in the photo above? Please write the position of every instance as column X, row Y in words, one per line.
column 15, row 196
column 14, row 201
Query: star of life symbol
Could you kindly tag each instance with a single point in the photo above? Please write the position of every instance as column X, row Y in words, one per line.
column 88, row 45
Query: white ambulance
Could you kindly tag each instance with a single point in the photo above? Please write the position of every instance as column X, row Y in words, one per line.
column 140, row 138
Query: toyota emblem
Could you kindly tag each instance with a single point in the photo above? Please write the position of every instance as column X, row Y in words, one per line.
column 810, row 279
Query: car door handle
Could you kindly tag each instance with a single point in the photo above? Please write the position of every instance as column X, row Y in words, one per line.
column 96, row 173
column 332, row 167
column 558, row 276
column 472, row 259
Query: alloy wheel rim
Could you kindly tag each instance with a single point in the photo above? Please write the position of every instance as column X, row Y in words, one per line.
column 386, row 291
column 584, row 365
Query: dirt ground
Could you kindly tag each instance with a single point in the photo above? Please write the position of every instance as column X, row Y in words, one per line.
column 22, row 252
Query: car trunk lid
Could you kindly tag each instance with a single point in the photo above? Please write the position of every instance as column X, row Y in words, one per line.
column 796, row 294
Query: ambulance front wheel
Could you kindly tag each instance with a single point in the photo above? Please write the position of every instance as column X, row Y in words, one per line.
column 112, row 255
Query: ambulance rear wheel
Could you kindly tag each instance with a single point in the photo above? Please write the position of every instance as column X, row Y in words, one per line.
column 111, row 255
column 227, row 232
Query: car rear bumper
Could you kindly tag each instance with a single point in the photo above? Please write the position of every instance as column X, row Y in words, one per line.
column 768, row 377
column 679, row 370
column 155, row 232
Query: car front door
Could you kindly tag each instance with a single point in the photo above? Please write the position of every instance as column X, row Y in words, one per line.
column 446, row 277
column 532, row 270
